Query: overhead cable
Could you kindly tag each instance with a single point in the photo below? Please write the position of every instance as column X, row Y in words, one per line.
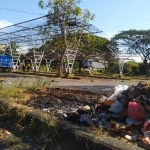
column 20, row 11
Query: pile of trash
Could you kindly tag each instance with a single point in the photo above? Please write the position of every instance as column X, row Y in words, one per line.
column 126, row 111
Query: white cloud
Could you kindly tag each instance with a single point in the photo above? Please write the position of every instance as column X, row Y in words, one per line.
column 4, row 23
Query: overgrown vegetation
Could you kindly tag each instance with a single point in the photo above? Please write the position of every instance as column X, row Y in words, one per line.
column 12, row 92
column 42, row 131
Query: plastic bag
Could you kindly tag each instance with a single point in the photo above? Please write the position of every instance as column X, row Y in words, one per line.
column 131, row 138
column 118, row 90
column 130, row 121
column 116, row 107
column 136, row 111
column 87, row 119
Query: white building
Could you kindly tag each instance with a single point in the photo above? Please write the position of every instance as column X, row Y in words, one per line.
column 92, row 64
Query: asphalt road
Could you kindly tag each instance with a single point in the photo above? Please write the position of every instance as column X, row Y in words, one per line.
column 89, row 84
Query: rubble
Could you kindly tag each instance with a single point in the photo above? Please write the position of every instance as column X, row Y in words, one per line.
column 125, row 111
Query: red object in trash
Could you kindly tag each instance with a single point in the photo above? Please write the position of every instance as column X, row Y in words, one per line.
column 146, row 126
column 136, row 111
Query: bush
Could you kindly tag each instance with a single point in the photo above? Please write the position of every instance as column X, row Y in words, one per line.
column 131, row 67
column 102, row 70
column 85, row 72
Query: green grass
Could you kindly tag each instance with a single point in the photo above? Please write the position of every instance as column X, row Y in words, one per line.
column 12, row 92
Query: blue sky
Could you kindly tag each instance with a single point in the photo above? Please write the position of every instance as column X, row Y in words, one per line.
column 112, row 16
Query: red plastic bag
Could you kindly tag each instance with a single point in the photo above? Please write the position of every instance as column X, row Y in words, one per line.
column 136, row 111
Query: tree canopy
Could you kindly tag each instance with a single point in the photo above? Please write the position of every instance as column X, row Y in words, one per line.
column 65, row 18
column 134, row 42
column 92, row 44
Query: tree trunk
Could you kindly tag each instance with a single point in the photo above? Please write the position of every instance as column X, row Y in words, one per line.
column 64, row 37
column 80, row 66
column 147, row 68
column 60, row 70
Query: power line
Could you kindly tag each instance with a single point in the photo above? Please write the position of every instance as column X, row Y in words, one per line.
column 21, row 11
column 24, row 22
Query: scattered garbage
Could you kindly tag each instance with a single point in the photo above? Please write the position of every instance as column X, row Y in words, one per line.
column 116, row 107
column 86, row 107
column 146, row 126
column 130, row 121
column 147, row 134
column 136, row 111
column 118, row 90
column 87, row 119
column 131, row 138
column 126, row 111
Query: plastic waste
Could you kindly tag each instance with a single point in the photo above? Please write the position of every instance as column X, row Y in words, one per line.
column 102, row 123
column 146, row 126
column 87, row 107
column 147, row 134
column 116, row 107
column 60, row 111
column 147, row 140
column 118, row 90
column 136, row 111
column 93, row 109
column 46, row 110
column 113, row 97
column 131, row 138
column 102, row 115
column 87, row 119
column 95, row 120
column 130, row 121
column 63, row 116
column 123, row 101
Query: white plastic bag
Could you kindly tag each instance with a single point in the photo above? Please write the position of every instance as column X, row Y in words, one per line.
column 116, row 107
column 118, row 90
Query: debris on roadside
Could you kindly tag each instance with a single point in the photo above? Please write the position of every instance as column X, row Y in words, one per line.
column 126, row 111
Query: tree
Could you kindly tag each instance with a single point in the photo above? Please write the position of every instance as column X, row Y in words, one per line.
column 131, row 67
column 11, row 48
column 65, row 18
column 134, row 42
column 92, row 44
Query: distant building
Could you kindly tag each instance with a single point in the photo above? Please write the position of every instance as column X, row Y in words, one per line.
column 92, row 64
